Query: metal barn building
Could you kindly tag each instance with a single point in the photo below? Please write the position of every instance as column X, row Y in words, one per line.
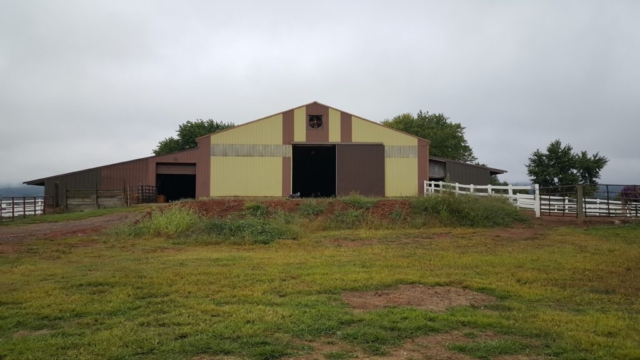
column 314, row 150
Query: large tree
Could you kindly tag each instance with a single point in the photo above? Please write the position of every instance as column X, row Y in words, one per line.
column 187, row 135
column 446, row 137
column 560, row 166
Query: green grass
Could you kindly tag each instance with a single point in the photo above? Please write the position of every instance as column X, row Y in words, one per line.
column 571, row 293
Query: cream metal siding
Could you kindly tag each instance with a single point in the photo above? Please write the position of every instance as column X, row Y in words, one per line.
column 334, row 125
column 401, row 177
column 365, row 131
column 300, row 124
column 266, row 131
column 246, row 176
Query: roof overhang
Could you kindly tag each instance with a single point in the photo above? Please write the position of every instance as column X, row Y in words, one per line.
column 492, row 171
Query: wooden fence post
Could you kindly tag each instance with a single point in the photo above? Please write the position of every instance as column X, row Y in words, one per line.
column 97, row 204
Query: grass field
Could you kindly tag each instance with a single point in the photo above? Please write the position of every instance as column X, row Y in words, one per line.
column 561, row 292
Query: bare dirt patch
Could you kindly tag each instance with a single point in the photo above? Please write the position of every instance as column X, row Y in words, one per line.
column 423, row 347
column 437, row 298
column 85, row 227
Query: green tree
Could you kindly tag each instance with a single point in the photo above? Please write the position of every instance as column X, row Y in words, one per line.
column 446, row 137
column 560, row 166
column 187, row 135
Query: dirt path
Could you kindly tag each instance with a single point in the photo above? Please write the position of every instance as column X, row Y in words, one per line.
column 65, row 229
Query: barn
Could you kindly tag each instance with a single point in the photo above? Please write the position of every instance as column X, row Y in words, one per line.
column 314, row 150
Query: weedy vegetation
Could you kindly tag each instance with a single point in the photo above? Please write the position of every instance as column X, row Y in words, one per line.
column 260, row 283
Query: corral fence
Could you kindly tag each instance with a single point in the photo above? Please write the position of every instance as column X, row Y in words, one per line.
column 12, row 208
column 523, row 197
column 591, row 200
column 572, row 201
column 83, row 199
column 142, row 194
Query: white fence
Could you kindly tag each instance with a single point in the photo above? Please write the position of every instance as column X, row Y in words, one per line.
column 551, row 205
column 592, row 206
column 513, row 193
column 13, row 207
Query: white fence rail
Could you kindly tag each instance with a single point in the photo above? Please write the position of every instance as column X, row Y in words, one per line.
column 13, row 207
column 513, row 193
column 551, row 205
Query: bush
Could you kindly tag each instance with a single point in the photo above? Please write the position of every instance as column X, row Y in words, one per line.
column 359, row 202
column 254, row 231
column 468, row 210
column 312, row 208
column 348, row 219
column 167, row 221
column 258, row 210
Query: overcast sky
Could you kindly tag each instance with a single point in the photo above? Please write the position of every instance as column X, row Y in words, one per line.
column 88, row 83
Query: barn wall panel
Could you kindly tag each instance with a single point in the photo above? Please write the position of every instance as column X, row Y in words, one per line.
column 423, row 164
column 401, row 177
column 322, row 134
column 334, row 125
column 300, row 124
column 346, row 128
column 246, row 176
column 468, row 174
column 266, row 131
column 360, row 169
column 287, row 127
column 365, row 131
column 126, row 174
column 203, row 168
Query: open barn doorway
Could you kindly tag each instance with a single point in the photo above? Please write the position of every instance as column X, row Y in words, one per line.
column 314, row 170
column 176, row 181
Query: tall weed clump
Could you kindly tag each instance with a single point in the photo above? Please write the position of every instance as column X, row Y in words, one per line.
column 312, row 208
column 169, row 221
column 468, row 210
column 358, row 201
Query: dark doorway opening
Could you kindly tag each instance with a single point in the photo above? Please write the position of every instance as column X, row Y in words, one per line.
column 314, row 170
column 176, row 187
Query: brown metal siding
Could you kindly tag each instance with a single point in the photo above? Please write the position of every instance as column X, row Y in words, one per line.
column 360, row 168
column 143, row 171
column 203, row 168
column 126, row 174
column 286, row 176
column 318, row 135
column 287, row 127
column 423, row 164
column 345, row 127
column 84, row 180
column 466, row 174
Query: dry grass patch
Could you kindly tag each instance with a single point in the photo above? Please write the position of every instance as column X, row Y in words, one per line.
column 438, row 298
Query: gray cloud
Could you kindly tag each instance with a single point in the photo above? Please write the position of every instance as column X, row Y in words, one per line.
column 84, row 84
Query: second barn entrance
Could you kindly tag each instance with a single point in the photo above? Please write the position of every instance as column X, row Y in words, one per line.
column 328, row 170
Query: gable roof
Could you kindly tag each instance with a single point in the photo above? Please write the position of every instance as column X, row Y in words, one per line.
column 317, row 103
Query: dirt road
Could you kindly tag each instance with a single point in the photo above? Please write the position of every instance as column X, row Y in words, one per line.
column 65, row 229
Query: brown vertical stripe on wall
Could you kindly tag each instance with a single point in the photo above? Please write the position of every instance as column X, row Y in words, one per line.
column 286, row 176
column 345, row 128
column 287, row 127
column 318, row 135
column 360, row 168
column 423, row 164
column 203, row 168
